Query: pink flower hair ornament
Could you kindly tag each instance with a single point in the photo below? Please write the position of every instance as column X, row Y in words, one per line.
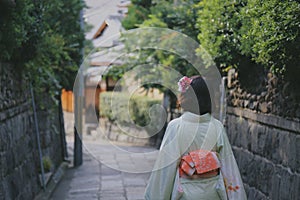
column 184, row 83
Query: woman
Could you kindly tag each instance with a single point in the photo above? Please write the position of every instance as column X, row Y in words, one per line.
column 195, row 160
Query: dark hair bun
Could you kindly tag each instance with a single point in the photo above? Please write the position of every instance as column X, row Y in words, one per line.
column 197, row 98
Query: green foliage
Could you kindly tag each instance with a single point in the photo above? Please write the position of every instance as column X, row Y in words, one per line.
column 126, row 110
column 154, row 63
column 143, row 3
column 116, row 72
column 219, row 25
column 136, row 15
column 17, row 25
column 162, row 14
column 140, row 110
column 271, row 35
column 138, row 12
column 181, row 17
column 153, row 21
column 47, row 163
column 248, row 34
column 46, row 38
column 252, row 36
column 262, row 30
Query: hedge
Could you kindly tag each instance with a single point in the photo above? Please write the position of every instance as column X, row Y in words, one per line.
column 125, row 109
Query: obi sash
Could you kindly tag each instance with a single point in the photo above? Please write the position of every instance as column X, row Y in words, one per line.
column 200, row 162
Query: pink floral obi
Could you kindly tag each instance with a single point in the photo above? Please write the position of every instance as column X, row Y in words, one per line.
column 199, row 164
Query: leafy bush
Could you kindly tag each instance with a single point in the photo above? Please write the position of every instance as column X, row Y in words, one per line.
column 120, row 107
column 45, row 37
column 219, row 23
column 271, row 36
column 17, row 27
column 252, row 34
column 163, row 14
column 255, row 37
column 47, row 163
column 136, row 15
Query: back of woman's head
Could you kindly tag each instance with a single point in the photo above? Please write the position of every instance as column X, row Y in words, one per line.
column 196, row 97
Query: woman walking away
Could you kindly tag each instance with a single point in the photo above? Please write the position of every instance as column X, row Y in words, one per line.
column 195, row 160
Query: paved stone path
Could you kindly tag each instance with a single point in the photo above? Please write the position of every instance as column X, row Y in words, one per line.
column 103, row 173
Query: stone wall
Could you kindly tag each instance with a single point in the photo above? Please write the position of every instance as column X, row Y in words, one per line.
column 19, row 158
column 267, row 149
column 272, row 95
column 111, row 131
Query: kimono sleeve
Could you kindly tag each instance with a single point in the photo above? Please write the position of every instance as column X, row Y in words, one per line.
column 162, row 178
column 230, row 171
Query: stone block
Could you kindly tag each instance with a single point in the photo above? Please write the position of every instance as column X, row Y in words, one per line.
column 229, row 126
column 295, row 186
column 275, row 184
column 113, row 195
column 284, row 144
column 3, row 164
column 10, row 161
column 134, row 182
column 254, row 168
column 265, row 177
column 28, row 170
column 243, row 134
column 248, row 167
column 293, row 155
column 4, row 136
column 285, row 184
column 253, row 193
column 261, row 142
column 1, row 191
column 111, row 185
column 259, row 134
column 135, row 192
column 253, row 131
column 17, row 181
column 10, row 191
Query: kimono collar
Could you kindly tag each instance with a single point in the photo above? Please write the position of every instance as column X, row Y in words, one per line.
column 191, row 117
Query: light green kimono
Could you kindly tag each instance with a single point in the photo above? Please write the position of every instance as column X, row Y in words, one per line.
column 188, row 133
